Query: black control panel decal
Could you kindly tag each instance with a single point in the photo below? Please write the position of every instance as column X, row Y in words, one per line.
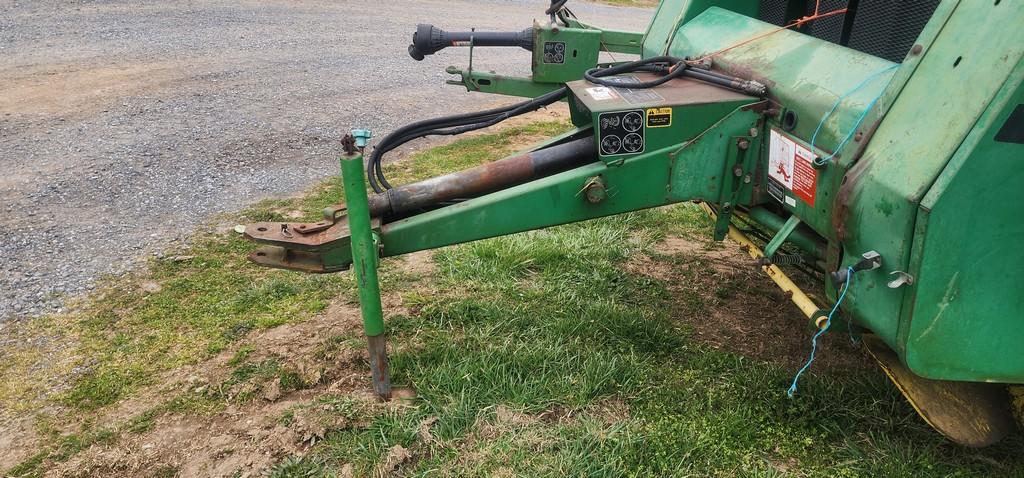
column 621, row 132
column 554, row 52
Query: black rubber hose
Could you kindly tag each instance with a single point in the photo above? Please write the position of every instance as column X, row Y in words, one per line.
column 677, row 69
column 454, row 127
column 417, row 130
column 456, row 124
column 449, row 125
column 556, row 5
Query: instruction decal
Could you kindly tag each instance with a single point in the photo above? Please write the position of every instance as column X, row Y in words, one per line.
column 621, row 132
column 601, row 93
column 792, row 167
column 659, row 117
column 554, row 52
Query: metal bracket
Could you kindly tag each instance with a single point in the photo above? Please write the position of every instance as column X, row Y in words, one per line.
column 470, row 68
column 722, row 221
column 736, row 180
column 902, row 279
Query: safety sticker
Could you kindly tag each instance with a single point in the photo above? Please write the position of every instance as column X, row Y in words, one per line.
column 601, row 93
column 659, row 117
column 792, row 166
column 554, row 52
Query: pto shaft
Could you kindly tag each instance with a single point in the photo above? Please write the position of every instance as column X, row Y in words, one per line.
column 429, row 39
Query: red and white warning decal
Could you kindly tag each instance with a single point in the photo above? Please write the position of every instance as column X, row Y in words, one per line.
column 791, row 165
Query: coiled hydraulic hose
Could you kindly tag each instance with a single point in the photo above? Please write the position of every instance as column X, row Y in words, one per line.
column 670, row 67
column 448, row 125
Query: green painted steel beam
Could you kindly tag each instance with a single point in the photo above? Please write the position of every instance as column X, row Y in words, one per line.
column 615, row 41
column 489, row 82
column 541, row 203
column 364, row 247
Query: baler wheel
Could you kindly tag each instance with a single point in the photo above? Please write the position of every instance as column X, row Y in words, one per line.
column 969, row 413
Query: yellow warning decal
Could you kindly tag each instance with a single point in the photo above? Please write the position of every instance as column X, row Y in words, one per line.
column 659, row 117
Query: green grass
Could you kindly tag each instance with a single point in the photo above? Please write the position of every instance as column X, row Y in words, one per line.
column 549, row 321
column 537, row 354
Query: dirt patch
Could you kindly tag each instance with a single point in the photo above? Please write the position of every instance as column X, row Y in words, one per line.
column 249, row 434
column 75, row 89
column 195, row 446
column 419, row 263
column 731, row 305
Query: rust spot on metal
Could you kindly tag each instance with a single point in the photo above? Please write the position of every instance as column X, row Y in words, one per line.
column 378, row 350
column 849, row 184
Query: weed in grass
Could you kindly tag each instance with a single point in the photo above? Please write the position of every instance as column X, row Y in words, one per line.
column 298, row 467
column 102, row 387
column 31, row 467
column 241, row 354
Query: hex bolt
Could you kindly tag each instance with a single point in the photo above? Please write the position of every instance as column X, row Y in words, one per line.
column 737, row 171
column 594, row 190
column 743, row 143
column 747, row 179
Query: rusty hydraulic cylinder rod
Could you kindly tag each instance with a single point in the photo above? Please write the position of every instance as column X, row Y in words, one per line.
column 486, row 178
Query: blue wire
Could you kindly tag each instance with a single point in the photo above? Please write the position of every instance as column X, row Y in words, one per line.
column 864, row 114
column 828, row 323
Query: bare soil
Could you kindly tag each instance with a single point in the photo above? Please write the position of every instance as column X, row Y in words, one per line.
column 249, row 436
column 744, row 312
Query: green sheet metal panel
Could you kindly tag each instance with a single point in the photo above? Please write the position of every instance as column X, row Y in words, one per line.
column 966, row 322
column 666, row 19
column 672, row 13
column 563, row 54
column 804, row 74
column 927, row 122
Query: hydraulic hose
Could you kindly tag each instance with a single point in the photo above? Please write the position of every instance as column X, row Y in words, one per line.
column 670, row 67
column 449, row 125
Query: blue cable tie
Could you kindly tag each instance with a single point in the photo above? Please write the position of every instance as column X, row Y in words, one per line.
column 828, row 323
column 856, row 125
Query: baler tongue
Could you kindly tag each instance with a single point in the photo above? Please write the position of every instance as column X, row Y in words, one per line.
column 325, row 246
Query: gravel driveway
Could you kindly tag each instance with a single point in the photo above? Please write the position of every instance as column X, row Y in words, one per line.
column 124, row 125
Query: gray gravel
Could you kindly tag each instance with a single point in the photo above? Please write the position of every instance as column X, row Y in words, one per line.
column 125, row 125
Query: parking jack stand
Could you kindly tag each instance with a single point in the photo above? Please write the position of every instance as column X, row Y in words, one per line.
column 364, row 260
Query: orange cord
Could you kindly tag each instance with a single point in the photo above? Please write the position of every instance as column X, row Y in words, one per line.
column 795, row 23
